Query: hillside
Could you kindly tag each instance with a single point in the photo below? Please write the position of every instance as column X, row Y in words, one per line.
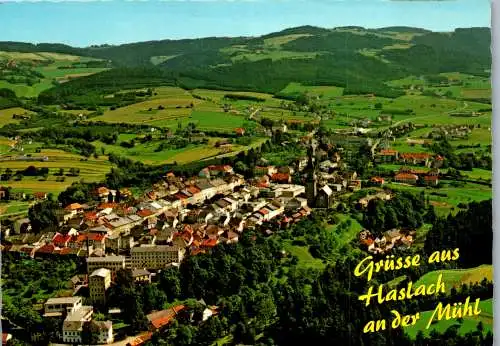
column 357, row 59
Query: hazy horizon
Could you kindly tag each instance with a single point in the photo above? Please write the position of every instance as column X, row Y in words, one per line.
column 83, row 23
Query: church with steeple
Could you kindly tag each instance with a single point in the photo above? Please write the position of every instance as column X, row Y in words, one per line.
column 317, row 196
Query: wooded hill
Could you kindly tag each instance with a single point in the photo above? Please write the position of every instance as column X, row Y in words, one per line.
column 360, row 60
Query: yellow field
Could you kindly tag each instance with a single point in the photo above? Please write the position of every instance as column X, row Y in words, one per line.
column 42, row 56
column 59, row 56
column 476, row 93
column 194, row 154
column 280, row 40
column 90, row 170
column 6, row 115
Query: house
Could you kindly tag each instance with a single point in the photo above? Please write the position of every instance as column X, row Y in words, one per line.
column 160, row 319
column 438, row 161
column 103, row 330
column 406, row 178
column 378, row 181
column 415, row 158
column 240, row 131
column 61, row 240
column 56, row 307
column 73, row 209
column 281, row 178
column 220, row 170
column 431, row 180
column 99, row 282
column 22, row 226
column 6, row 338
column 141, row 275
column 39, row 196
column 387, row 155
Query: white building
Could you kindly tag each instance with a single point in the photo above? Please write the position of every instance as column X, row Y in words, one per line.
column 156, row 257
column 99, row 282
column 112, row 263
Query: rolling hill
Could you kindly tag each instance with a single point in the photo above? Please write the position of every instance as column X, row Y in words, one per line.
column 359, row 60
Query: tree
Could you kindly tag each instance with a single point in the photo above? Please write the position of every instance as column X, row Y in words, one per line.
column 43, row 215
column 89, row 335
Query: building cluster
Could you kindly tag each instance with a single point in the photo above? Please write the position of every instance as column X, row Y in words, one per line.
column 389, row 240
column 76, row 319
column 177, row 216
column 418, row 159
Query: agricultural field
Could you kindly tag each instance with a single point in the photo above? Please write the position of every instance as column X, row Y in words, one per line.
column 91, row 170
column 456, row 277
column 54, row 67
column 319, row 91
column 306, row 260
column 6, row 115
column 468, row 324
column 446, row 199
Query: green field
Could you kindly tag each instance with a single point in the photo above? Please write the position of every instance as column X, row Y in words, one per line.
column 91, row 170
column 6, row 115
column 344, row 237
column 48, row 65
column 454, row 195
column 468, row 324
column 306, row 260
column 321, row 91
column 457, row 277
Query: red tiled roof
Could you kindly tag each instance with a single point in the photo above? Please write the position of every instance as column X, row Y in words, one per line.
column 107, row 205
column 61, row 238
column 431, row 177
column 141, row 339
column 239, row 130
column 377, row 179
column 73, row 206
column 280, row 177
column 40, row 194
column 193, row 189
column 66, row 251
column 415, row 156
column 180, row 195
column 145, row 213
column 439, row 158
column 46, row 249
column 209, row 242
column 405, row 176
column 264, row 211
column 102, row 190
column 91, row 216
column 162, row 318
column 388, row 152
column 220, row 168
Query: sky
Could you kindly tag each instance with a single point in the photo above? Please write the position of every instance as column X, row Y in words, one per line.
column 86, row 22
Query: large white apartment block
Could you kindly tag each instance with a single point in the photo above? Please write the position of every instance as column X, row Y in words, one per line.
column 155, row 257
column 112, row 263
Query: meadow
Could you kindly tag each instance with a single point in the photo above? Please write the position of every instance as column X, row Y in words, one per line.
column 6, row 115
column 91, row 170
column 468, row 324
column 48, row 65
column 454, row 195
column 456, row 277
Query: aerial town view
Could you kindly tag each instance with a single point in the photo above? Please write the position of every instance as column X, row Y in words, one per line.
column 246, row 173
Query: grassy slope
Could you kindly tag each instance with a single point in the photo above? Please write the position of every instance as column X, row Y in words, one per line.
column 457, row 277
column 469, row 323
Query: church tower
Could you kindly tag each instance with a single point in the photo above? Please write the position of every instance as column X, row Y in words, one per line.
column 311, row 179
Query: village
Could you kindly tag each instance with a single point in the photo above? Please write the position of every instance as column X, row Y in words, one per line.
column 185, row 216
